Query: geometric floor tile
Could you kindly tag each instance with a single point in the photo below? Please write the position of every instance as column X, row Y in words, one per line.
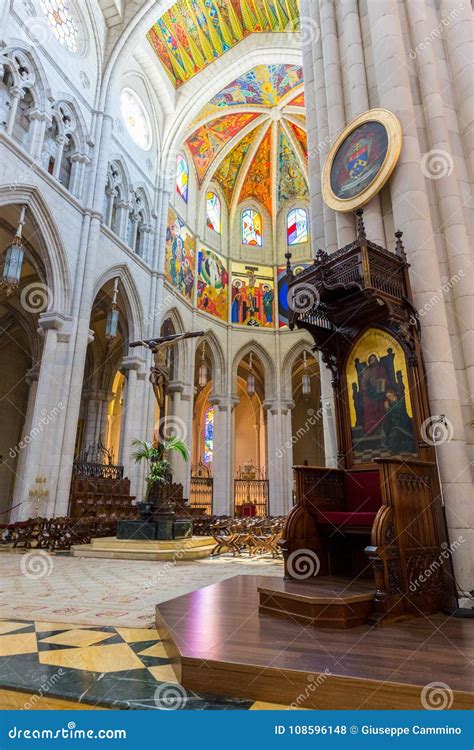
column 77, row 638
column 157, row 650
column 48, row 627
column 164, row 673
column 8, row 626
column 136, row 635
column 115, row 658
column 23, row 643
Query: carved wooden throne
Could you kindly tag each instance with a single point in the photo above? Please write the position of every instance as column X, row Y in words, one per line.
column 378, row 514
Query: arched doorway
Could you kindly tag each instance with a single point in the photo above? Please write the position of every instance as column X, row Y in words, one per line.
column 307, row 414
column 203, row 443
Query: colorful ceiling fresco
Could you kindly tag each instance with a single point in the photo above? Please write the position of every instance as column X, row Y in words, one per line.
column 194, row 33
column 266, row 151
column 300, row 136
column 263, row 86
column 227, row 173
column 258, row 181
column 297, row 101
column 292, row 182
column 208, row 140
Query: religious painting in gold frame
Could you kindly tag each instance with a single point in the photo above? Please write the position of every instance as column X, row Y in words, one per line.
column 361, row 160
column 379, row 401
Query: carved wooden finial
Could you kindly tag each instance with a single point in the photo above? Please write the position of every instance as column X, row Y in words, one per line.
column 289, row 270
column 361, row 235
column 399, row 248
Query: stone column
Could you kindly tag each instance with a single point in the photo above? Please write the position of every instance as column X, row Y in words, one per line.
column 177, row 424
column 132, row 416
column 458, row 33
column 39, row 120
column 449, row 197
column 277, row 468
column 17, row 93
column 412, row 215
column 222, row 459
column 31, row 378
column 43, row 442
column 61, row 140
column 335, row 100
column 329, row 415
column 354, row 76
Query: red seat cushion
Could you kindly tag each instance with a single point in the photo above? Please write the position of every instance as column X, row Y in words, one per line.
column 344, row 518
column 362, row 491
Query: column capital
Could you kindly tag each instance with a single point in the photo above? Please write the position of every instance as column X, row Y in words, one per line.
column 55, row 321
column 131, row 362
column 275, row 406
column 32, row 374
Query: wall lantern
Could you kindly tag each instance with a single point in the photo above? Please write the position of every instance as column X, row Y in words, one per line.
column 14, row 256
column 111, row 327
column 203, row 373
column 305, row 380
column 251, row 378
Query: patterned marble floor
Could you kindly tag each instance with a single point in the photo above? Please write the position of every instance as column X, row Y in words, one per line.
column 115, row 668
column 58, row 588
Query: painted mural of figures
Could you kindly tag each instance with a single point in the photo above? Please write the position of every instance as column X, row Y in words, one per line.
column 213, row 284
column 373, row 384
column 180, row 255
column 253, row 296
column 268, row 297
column 397, row 427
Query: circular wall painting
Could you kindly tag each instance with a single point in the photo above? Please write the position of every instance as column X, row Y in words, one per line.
column 361, row 160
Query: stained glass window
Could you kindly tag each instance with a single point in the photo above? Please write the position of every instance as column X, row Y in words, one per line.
column 297, row 227
column 182, row 177
column 136, row 118
column 62, row 22
column 209, row 435
column 251, row 227
column 213, row 212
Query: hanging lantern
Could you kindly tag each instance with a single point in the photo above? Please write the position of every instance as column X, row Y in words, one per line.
column 202, row 377
column 251, row 379
column 111, row 327
column 14, row 256
column 305, row 380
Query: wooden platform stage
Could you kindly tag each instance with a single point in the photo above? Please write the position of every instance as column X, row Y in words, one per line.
column 220, row 644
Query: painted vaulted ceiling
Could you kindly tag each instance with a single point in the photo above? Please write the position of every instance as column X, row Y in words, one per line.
column 194, row 33
column 250, row 138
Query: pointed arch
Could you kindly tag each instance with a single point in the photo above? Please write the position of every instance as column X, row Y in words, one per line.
column 218, row 362
column 266, row 362
column 289, row 361
column 53, row 253
column 130, row 296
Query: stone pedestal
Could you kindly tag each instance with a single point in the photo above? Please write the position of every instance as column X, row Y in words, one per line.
column 163, row 529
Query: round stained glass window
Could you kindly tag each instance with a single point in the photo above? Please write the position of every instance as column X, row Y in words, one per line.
column 62, row 22
column 136, row 118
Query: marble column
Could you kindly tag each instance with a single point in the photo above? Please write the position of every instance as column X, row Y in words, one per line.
column 280, row 487
column 178, row 423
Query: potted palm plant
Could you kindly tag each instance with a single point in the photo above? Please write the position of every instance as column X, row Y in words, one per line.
column 159, row 466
